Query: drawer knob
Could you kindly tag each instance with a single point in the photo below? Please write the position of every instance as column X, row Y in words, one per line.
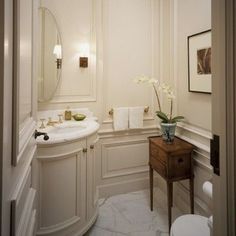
column 91, row 146
column 85, row 150
column 180, row 160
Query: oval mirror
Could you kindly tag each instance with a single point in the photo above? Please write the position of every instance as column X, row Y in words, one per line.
column 50, row 55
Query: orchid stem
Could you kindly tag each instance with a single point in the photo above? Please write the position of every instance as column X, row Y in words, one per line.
column 158, row 100
column 171, row 109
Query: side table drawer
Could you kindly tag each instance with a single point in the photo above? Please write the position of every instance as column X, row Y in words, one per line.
column 179, row 166
column 158, row 166
column 158, row 154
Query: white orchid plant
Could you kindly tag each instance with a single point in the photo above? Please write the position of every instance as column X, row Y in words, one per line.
column 165, row 118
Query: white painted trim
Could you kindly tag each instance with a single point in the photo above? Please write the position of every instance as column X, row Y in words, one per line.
column 63, row 99
column 25, row 218
column 161, row 73
column 23, row 183
column 203, row 165
column 25, row 135
column 105, row 113
column 96, row 197
column 92, row 96
column 196, row 130
column 126, row 171
column 22, row 228
column 23, row 178
column 58, row 227
column 88, row 225
column 109, row 133
column 195, row 143
column 95, row 141
column 32, row 224
column 59, row 157
column 21, row 133
column 110, row 120
column 174, row 22
column 107, row 190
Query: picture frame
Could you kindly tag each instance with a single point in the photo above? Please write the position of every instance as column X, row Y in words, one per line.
column 199, row 62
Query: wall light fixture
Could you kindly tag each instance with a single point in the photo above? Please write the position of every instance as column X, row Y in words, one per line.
column 58, row 55
column 84, row 54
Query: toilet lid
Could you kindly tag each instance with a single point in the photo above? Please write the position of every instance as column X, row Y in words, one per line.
column 190, row 225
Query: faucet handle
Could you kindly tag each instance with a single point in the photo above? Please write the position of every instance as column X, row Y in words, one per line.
column 60, row 118
column 49, row 121
column 42, row 126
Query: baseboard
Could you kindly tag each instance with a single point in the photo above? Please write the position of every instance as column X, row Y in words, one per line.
column 124, row 187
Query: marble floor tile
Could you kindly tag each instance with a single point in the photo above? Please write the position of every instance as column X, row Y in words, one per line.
column 130, row 215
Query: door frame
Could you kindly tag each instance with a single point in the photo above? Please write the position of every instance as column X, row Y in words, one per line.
column 223, row 114
column 230, row 113
column 2, row 29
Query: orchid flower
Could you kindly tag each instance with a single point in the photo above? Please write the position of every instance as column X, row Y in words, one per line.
column 166, row 89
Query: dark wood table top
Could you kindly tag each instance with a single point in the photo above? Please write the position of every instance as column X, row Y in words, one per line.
column 178, row 145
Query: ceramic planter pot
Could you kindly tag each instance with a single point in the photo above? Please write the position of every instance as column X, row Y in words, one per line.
column 168, row 131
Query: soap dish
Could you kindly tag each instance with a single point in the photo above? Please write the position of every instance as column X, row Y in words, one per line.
column 79, row 117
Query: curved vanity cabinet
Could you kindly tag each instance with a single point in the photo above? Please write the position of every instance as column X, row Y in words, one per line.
column 68, row 198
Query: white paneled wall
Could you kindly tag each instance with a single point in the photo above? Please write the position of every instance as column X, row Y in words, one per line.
column 127, row 51
column 179, row 20
column 130, row 38
column 195, row 107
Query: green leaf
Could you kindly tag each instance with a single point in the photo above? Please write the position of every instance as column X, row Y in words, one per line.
column 162, row 116
column 177, row 119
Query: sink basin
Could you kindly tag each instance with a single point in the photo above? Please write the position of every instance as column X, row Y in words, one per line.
column 63, row 130
column 68, row 131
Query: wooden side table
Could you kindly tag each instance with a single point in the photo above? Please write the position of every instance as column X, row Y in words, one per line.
column 173, row 162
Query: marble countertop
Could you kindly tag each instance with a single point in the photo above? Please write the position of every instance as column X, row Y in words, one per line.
column 68, row 131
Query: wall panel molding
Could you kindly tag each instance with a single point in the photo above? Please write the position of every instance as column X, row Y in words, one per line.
column 90, row 96
column 110, row 133
column 22, row 204
column 23, row 123
column 111, row 167
column 153, row 72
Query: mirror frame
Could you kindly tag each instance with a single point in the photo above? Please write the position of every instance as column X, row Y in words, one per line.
column 59, row 71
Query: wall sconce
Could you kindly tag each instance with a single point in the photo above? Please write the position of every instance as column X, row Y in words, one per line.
column 58, row 55
column 84, row 53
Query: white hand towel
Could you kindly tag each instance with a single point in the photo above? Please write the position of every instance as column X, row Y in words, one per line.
column 136, row 117
column 120, row 118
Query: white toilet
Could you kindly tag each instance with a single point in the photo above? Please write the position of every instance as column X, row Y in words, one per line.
column 194, row 225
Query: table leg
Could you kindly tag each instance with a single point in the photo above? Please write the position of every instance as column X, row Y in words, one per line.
column 169, row 197
column 171, row 194
column 151, row 186
column 191, row 185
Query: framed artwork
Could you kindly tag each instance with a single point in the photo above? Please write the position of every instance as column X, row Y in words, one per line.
column 199, row 62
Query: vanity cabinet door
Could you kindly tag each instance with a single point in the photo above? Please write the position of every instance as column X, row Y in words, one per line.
column 92, row 192
column 62, row 189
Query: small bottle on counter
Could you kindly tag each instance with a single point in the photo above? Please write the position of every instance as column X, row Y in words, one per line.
column 68, row 113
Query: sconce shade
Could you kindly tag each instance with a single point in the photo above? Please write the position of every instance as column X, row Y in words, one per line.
column 57, row 51
column 84, row 50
